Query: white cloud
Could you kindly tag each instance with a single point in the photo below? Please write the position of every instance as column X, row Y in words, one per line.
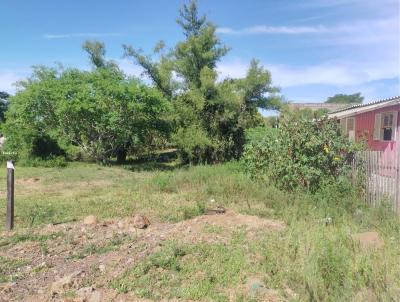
column 363, row 30
column 81, row 35
column 380, row 5
column 263, row 29
column 339, row 73
column 129, row 67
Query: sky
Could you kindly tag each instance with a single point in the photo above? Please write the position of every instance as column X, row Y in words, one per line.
column 313, row 48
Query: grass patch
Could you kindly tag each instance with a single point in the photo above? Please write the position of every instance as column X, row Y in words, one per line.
column 316, row 260
column 199, row 271
column 12, row 240
column 103, row 247
column 8, row 268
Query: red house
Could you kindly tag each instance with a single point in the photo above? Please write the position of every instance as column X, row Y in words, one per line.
column 377, row 123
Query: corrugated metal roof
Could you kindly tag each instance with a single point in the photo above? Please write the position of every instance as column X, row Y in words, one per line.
column 366, row 104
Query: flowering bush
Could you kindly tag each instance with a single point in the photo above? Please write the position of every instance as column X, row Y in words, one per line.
column 300, row 153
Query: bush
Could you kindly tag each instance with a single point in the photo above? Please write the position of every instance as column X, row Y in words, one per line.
column 50, row 162
column 99, row 114
column 301, row 153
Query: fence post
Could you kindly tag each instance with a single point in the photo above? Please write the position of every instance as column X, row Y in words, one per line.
column 10, row 196
column 397, row 180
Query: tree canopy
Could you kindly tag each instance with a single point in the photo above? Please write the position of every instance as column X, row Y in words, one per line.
column 210, row 115
column 100, row 113
column 355, row 98
column 103, row 113
column 4, row 96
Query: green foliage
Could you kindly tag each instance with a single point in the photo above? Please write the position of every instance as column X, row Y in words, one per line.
column 355, row 98
column 314, row 255
column 210, row 116
column 305, row 113
column 101, row 112
column 7, row 267
column 300, row 153
column 4, row 96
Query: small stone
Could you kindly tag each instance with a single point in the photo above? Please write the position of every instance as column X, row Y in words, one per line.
column 140, row 222
column 90, row 220
column 102, row 268
column 216, row 210
column 120, row 225
column 369, row 240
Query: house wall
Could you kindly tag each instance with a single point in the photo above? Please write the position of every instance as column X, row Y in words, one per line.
column 365, row 128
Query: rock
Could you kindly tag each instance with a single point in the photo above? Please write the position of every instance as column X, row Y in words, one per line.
column 216, row 210
column 369, row 240
column 120, row 225
column 90, row 220
column 102, row 268
column 140, row 222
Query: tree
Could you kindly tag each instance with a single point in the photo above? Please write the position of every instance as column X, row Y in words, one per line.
column 102, row 113
column 96, row 51
column 355, row 98
column 4, row 96
column 210, row 116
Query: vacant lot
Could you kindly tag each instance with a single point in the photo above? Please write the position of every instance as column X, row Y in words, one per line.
column 267, row 246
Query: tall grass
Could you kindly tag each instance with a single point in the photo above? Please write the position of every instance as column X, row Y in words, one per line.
column 314, row 256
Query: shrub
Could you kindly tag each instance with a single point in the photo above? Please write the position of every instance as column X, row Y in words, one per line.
column 102, row 112
column 301, row 153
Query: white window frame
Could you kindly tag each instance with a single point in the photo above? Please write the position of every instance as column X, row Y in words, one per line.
column 379, row 129
column 344, row 124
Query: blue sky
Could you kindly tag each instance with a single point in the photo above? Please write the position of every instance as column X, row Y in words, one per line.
column 313, row 48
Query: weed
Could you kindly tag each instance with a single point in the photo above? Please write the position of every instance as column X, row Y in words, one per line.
column 194, row 272
column 100, row 248
column 8, row 268
column 12, row 240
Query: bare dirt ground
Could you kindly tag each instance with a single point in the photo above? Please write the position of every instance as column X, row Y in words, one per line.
column 76, row 262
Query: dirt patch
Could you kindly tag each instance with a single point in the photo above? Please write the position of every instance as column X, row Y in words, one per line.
column 216, row 227
column 368, row 240
column 28, row 180
column 103, row 251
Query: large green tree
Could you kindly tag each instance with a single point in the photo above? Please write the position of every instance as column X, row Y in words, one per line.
column 355, row 98
column 4, row 96
column 101, row 112
column 210, row 116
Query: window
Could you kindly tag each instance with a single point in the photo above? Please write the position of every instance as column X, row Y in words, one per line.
column 348, row 127
column 385, row 126
column 351, row 128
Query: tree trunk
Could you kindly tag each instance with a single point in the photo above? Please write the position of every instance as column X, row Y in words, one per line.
column 121, row 155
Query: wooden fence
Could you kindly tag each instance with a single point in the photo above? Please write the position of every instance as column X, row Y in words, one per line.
column 380, row 173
